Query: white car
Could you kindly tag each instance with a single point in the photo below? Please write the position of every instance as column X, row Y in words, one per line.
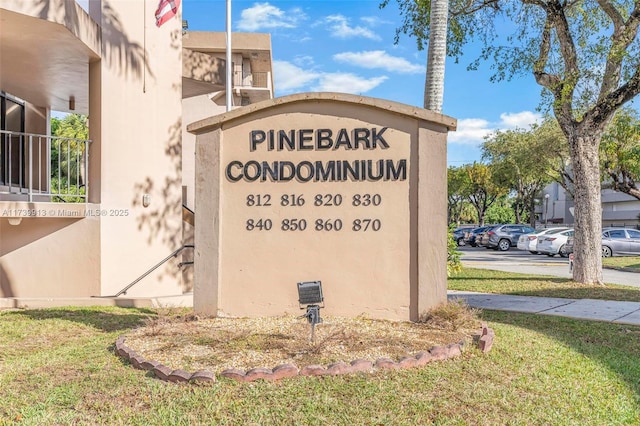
column 529, row 242
column 552, row 244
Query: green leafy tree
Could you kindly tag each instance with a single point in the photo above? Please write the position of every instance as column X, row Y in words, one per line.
column 55, row 125
column 515, row 157
column 552, row 151
column 481, row 188
column 501, row 211
column 73, row 126
column 585, row 54
column 454, row 264
column 456, row 199
column 620, row 153
column 469, row 214
column 67, row 156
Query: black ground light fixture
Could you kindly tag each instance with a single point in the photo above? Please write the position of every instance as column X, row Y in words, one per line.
column 310, row 296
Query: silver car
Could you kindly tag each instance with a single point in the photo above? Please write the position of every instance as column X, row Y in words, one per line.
column 620, row 242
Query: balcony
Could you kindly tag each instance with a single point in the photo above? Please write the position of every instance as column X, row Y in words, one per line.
column 41, row 168
column 252, row 87
column 202, row 73
column 204, row 65
column 46, row 50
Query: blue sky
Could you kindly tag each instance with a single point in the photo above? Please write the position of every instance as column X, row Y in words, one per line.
column 348, row 46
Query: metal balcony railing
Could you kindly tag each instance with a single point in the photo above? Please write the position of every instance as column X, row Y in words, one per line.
column 253, row 80
column 261, row 79
column 43, row 168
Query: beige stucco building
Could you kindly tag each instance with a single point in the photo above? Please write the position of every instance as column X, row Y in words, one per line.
column 113, row 218
column 85, row 218
column 618, row 209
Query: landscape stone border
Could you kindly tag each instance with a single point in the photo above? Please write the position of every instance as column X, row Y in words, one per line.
column 484, row 342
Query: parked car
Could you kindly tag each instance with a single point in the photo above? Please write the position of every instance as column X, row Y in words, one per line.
column 568, row 247
column 529, row 242
column 471, row 237
column 459, row 234
column 555, row 243
column 620, row 242
column 503, row 237
column 482, row 239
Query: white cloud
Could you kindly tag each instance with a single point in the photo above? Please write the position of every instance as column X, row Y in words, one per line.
column 347, row 83
column 339, row 27
column 263, row 16
column 472, row 131
column 303, row 60
column 373, row 21
column 291, row 78
column 373, row 59
column 520, row 120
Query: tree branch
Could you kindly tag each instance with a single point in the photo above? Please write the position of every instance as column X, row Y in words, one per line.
column 614, row 100
column 550, row 81
column 613, row 13
column 622, row 181
column 561, row 87
column 472, row 7
column 568, row 52
column 623, row 35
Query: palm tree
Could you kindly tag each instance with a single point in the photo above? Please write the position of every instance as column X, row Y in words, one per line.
column 68, row 167
column 436, row 55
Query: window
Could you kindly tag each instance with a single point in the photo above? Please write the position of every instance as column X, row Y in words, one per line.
column 617, row 233
column 12, row 155
column 633, row 233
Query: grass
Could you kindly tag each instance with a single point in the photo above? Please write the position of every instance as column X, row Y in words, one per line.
column 57, row 366
column 632, row 262
column 489, row 281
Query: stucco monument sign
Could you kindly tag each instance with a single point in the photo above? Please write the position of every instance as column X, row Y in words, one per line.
column 347, row 190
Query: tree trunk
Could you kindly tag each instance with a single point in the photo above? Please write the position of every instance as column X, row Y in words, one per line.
column 436, row 56
column 532, row 212
column 587, row 267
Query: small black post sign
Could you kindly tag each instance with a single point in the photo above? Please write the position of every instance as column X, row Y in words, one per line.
column 326, row 189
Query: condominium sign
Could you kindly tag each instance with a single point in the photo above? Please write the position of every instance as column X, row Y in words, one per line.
column 299, row 182
column 321, row 187
column 318, row 140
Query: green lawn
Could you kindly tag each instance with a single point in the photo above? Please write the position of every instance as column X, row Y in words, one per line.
column 57, row 367
column 488, row 281
column 632, row 262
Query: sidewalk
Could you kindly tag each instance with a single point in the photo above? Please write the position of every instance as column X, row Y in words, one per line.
column 586, row 309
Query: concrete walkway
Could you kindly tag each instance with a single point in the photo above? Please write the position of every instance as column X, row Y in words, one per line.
column 586, row 309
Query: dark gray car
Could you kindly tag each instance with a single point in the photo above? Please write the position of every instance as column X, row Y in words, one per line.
column 482, row 239
column 472, row 238
column 620, row 242
column 503, row 237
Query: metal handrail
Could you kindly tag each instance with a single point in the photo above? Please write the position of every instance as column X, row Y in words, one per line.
column 35, row 172
column 153, row 268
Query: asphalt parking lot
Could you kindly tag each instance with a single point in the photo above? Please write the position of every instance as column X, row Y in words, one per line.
column 515, row 260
